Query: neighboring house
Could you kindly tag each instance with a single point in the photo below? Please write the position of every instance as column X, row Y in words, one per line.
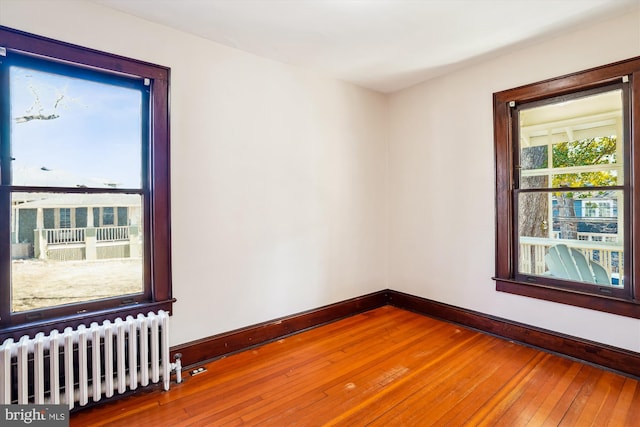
column 596, row 218
column 76, row 226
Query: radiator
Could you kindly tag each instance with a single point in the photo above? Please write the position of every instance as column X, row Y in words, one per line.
column 95, row 362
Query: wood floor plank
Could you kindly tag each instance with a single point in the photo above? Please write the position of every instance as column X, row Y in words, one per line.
column 564, row 374
column 385, row 367
column 523, row 396
column 532, row 393
column 578, row 406
column 260, row 367
column 624, row 405
column 432, row 389
column 491, row 401
column 352, row 380
column 358, row 399
column 604, row 398
column 566, row 400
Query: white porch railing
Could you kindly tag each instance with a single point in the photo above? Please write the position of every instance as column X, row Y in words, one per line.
column 534, row 249
column 592, row 237
column 57, row 236
column 87, row 243
column 112, row 234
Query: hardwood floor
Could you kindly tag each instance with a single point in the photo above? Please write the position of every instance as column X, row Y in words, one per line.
column 385, row 367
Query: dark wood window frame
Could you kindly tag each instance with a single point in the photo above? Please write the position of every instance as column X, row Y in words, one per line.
column 156, row 192
column 506, row 275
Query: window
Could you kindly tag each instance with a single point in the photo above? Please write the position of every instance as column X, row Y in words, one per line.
column 65, row 218
column 84, row 189
column 566, row 207
column 107, row 216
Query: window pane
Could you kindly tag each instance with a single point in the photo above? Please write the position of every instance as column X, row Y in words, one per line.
column 107, row 216
column 54, row 265
column 72, row 132
column 65, row 218
column 572, row 235
column 575, row 143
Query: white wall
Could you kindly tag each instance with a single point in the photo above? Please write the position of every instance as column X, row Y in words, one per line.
column 442, row 229
column 278, row 174
column 284, row 197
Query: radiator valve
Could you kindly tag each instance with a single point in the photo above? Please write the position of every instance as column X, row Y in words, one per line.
column 177, row 365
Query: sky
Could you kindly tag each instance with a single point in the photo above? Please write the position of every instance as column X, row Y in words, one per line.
column 95, row 140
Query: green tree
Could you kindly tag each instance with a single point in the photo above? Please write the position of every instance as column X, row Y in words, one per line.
column 584, row 152
column 591, row 151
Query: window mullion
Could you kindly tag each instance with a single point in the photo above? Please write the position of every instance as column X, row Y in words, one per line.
column 5, row 197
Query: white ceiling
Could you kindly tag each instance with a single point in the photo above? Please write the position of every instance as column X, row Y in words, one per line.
column 385, row 45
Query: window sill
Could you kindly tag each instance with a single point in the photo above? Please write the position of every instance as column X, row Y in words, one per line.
column 60, row 323
column 607, row 304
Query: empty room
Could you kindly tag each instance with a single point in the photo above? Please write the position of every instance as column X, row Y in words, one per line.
column 320, row 212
